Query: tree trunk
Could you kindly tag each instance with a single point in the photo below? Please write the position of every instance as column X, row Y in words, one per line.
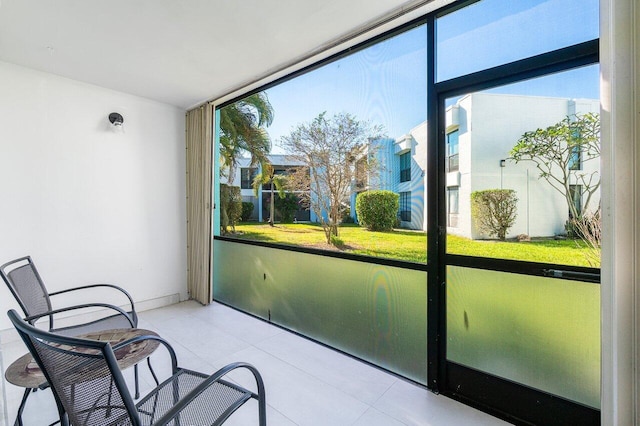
column 326, row 227
column 271, row 205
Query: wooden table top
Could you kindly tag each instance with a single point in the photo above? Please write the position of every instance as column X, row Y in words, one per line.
column 25, row 372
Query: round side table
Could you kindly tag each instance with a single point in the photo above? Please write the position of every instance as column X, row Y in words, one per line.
column 24, row 371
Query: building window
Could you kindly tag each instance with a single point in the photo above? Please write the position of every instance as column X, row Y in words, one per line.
column 277, row 170
column 405, row 206
column 452, row 151
column 453, row 197
column 576, row 196
column 575, row 161
column 247, row 174
column 405, row 167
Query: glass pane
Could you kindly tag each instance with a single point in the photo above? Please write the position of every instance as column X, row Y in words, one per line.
column 520, row 194
column 322, row 139
column 376, row 313
column 495, row 32
column 541, row 332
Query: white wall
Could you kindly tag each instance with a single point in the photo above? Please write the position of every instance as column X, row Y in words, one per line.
column 490, row 125
column 88, row 204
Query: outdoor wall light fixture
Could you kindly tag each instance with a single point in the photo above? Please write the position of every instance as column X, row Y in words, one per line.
column 116, row 119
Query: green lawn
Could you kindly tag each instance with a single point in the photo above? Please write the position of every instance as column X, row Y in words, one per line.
column 412, row 245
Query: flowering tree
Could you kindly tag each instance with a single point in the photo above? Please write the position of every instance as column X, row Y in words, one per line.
column 560, row 151
column 334, row 151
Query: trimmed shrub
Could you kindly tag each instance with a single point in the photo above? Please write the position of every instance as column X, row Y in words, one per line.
column 247, row 211
column 494, row 211
column 230, row 207
column 377, row 210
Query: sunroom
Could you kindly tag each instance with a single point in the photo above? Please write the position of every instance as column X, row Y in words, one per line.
column 535, row 329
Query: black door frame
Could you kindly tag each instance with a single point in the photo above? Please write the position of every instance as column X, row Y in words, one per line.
column 511, row 401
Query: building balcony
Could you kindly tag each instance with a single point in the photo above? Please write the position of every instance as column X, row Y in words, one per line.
column 403, row 144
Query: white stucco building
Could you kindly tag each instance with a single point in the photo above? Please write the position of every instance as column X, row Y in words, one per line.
column 481, row 129
column 487, row 127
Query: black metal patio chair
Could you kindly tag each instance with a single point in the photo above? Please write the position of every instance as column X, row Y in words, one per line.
column 27, row 286
column 29, row 290
column 90, row 389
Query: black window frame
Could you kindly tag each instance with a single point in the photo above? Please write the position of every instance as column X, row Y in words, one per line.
column 563, row 59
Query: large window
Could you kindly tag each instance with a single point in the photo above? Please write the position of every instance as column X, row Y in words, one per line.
column 346, row 120
column 482, row 121
column 335, row 133
column 530, row 125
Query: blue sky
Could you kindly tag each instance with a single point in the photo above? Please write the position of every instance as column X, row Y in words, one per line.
column 385, row 84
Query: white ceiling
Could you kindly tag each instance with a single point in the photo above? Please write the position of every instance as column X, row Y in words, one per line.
column 181, row 52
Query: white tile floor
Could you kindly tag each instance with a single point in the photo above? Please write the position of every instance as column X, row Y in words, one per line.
column 307, row 384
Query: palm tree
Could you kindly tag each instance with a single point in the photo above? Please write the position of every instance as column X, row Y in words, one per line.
column 242, row 129
column 279, row 182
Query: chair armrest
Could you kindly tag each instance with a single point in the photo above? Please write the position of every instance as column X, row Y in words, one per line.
column 50, row 314
column 169, row 417
column 172, row 353
column 115, row 287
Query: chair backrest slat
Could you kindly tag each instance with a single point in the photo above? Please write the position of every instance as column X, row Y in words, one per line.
column 24, row 282
column 84, row 375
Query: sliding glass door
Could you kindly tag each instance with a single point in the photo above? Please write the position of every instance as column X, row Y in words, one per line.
column 518, row 194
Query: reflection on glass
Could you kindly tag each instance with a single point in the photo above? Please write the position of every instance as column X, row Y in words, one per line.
column 541, row 332
column 495, row 32
column 527, row 171
column 295, row 157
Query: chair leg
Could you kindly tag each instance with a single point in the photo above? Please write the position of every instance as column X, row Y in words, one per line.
column 64, row 419
column 18, row 422
column 262, row 410
column 153, row 373
column 108, row 412
column 135, row 374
